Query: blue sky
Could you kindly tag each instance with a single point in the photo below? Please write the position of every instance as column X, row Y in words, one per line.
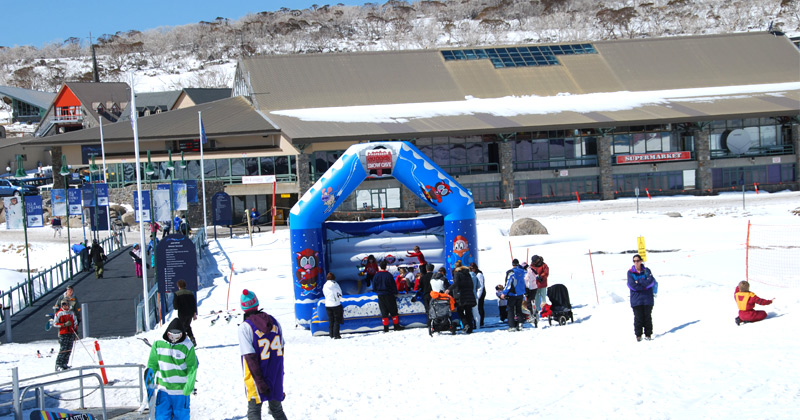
column 27, row 24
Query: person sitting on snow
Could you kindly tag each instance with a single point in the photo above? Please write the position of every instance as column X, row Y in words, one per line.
column 746, row 301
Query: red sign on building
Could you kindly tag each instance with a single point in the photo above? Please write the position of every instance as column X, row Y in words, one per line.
column 379, row 160
column 653, row 157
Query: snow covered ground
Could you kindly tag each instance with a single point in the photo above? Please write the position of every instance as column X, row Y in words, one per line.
column 699, row 365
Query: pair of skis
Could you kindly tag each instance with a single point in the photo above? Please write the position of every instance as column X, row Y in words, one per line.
column 228, row 319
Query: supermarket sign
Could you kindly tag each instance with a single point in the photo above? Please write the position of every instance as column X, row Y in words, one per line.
column 653, row 157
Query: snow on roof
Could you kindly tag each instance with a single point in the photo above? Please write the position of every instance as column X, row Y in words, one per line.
column 521, row 105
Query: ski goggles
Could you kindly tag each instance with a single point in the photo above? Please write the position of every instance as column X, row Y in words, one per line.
column 174, row 335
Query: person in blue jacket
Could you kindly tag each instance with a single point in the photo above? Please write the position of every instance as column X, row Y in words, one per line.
column 641, row 282
column 151, row 249
column 81, row 249
column 514, row 292
column 254, row 216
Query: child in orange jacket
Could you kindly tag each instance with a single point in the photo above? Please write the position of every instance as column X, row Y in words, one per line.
column 746, row 301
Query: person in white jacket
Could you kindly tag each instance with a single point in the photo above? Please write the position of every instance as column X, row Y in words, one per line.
column 333, row 305
column 480, row 293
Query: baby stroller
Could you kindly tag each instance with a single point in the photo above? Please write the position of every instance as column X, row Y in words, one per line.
column 559, row 309
column 439, row 318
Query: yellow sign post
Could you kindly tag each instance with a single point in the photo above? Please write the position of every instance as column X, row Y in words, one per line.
column 642, row 249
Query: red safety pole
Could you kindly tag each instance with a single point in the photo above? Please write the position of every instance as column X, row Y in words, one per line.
column 381, row 213
column 520, row 202
column 578, row 197
column 100, row 362
column 755, row 184
column 273, row 205
column 648, row 194
column 593, row 278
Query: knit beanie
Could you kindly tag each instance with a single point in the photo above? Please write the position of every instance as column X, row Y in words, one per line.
column 249, row 300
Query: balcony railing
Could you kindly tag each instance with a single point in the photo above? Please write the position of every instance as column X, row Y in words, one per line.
column 777, row 149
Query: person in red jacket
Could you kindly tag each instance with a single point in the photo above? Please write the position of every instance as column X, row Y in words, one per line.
column 747, row 301
column 400, row 281
column 67, row 323
column 417, row 253
column 542, row 272
column 370, row 269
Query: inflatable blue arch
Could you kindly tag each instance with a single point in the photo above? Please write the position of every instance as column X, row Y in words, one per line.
column 318, row 246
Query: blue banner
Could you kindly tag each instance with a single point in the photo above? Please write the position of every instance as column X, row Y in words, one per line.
column 145, row 206
column 33, row 211
column 88, row 195
column 191, row 191
column 179, row 190
column 222, row 209
column 74, row 201
column 58, row 198
column 102, row 194
column 101, row 223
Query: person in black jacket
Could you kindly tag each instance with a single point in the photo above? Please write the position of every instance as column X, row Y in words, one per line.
column 185, row 303
column 425, row 286
column 384, row 286
column 462, row 290
column 98, row 258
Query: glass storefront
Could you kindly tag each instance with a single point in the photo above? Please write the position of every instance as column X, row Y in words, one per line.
column 226, row 170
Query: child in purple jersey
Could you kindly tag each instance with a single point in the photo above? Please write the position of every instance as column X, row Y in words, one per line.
column 261, row 346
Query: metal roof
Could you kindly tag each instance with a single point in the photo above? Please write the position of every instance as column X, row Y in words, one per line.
column 33, row 97
column 203, row 95
column 152, row 100
column 90, row 93
column 325, row 81
column 224, row 118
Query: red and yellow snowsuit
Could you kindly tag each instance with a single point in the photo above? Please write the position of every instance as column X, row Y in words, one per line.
column 746, row 301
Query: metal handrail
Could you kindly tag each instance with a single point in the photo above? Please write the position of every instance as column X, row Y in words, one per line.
column 19, row 397
column 558, row 163
column 48, row 280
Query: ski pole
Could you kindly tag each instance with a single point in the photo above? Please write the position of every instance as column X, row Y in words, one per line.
column 84, row 347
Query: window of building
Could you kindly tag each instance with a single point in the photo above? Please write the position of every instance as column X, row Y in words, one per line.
column 237, row 167
column 267, row 166
column 251, row 166
column 520, row 56
column 322, row 161
column 765, row 136
column 626, row 184
column 482, row 193
column 554, row 149
column 460, row 155
column 210, row 167
column 377, row 198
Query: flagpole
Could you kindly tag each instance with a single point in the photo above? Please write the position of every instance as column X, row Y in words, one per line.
column 135, row 125
column 202, row 168
column 105, row 180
